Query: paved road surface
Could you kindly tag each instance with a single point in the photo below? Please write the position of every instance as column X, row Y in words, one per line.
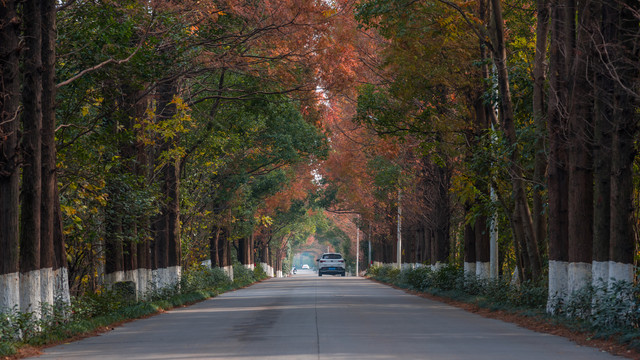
column 311, row 317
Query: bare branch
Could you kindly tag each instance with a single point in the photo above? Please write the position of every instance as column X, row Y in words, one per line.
column 97, row 67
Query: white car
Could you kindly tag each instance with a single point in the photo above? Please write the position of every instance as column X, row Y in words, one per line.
column 331, row 263
column 305, row 266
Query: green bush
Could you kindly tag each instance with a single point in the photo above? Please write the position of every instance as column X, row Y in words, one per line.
column 259, row 273
column 414, row 277
column 242, row 276
column 606, row 308
column 203, row 278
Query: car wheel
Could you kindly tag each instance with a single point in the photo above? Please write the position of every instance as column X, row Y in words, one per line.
column 319, row 273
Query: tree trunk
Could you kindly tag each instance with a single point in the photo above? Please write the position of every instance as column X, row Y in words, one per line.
column 522, row 210
column 167, row 234
column 214, row 246
column 9, row 168
column 31, row 194
column 469, row 247
column 580, row 152
column 540, row 167
column 173, row 217
column 558, row 184
column 49, row 179
column 443, row 216
column 113, row 235
column 603, row 124
column 623, row 148
column 243, row 250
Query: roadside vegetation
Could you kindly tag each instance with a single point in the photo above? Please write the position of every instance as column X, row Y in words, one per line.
column 605, row 311
column 95, row 311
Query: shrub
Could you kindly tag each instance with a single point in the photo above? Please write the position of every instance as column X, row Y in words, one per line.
column 203, row 278
column 606, row 308
column 242, row 276
column 414, row 277
column 259, row 273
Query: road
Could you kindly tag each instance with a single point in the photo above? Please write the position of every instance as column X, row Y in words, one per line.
column 311, row 317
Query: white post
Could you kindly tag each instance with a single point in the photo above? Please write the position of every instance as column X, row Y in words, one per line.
column 357, row 247
column 493, row 244
column 399, row 255
column 369, row 250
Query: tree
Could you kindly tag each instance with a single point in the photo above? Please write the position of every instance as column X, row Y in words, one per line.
column 31, row 190
column 9, row 168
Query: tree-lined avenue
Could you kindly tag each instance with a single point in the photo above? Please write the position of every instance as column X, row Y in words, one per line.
column 307, row 317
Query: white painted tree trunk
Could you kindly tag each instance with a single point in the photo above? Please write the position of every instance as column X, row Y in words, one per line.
column 30, row 292
column 229, row 271
column 112, row 278
column 61, row 285
column 47, row 282
column 600, row 272
column 175, row 274
column 558, row 284
column 9, row 291
column 579, row 276
column 267, row 269
column 145, row 277
column 620, row 272
column 470, row 268
column 483, row 270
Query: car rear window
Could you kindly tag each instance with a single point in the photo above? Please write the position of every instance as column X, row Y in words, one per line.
column 332, row 256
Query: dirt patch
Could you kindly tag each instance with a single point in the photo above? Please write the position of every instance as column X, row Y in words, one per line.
column 536, row 324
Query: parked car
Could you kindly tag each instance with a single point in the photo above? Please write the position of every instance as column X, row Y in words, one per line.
column 305, row 267
column 331, row 263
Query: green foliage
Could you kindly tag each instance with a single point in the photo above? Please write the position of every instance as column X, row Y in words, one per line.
column 605, row 308
column 450, row 280
column 259, row 273
column 203, row 278
column 242, row 275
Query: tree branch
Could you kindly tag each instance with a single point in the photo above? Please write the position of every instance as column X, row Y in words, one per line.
column 97, row 67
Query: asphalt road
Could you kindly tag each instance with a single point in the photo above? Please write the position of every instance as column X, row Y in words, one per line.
column 311, row 317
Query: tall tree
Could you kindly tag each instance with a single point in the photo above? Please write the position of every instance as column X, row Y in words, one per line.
column 603, row 124
column 9, row 158
column 580, row 197
column 623, row 149
column 49, row 185
column 31, row 194
column 558, row 178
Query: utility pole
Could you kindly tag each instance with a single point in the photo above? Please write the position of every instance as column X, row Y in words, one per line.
column 357, row 246
column 399, row 255
column 369, row 248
